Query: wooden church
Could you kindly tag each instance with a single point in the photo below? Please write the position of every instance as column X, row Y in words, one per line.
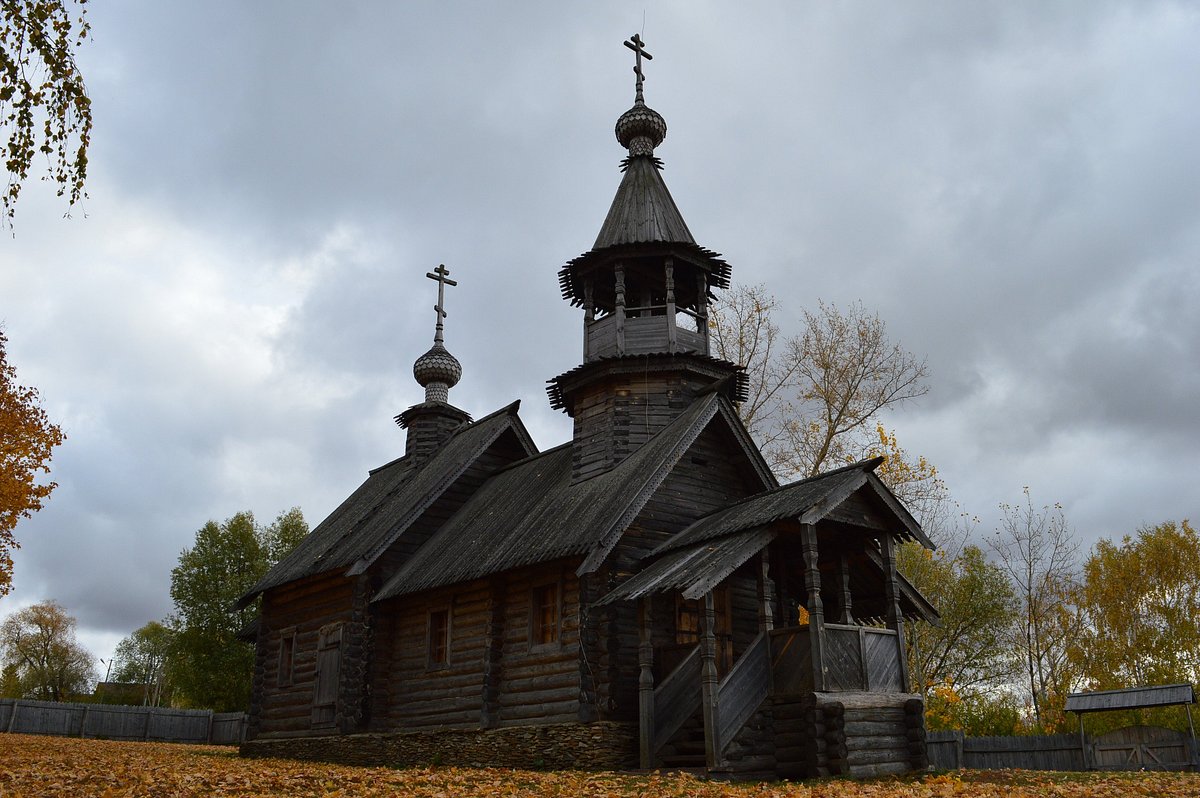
column 630, row 598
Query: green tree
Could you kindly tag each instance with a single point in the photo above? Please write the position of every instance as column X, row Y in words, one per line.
column 142, row 659
column 209, row 667
column 1141, row 605
column 41, row 657
column 969, row 651
column 44, row 107
column 27, row 441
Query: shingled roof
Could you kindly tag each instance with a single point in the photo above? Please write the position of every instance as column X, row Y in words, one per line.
column 807, row 501
column 705, row 553
column 643, row 211
column 387, row 503
column 696, row 569
column 531, row 512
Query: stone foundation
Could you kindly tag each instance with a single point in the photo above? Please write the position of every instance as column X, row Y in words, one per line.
column 601, row 745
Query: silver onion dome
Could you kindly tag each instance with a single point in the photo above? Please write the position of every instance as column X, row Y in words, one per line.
column 437, row 371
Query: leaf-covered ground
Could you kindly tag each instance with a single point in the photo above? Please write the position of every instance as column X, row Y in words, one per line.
column 54, row 766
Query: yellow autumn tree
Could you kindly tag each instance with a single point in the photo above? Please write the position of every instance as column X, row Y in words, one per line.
column 27, row 440
column 814, row 398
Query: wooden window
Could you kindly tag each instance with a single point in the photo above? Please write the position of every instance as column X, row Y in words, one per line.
column 328, row 675
column 287, row 656
column 439, row 638
column 544, row 616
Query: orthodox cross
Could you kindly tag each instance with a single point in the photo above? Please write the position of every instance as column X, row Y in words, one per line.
column 636, row 44
column 442, row 275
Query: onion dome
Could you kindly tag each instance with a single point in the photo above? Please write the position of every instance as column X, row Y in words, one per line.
column 641, row 129
column 437, row 371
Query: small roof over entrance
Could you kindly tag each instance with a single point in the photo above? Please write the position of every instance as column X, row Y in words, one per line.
column 1131, row 698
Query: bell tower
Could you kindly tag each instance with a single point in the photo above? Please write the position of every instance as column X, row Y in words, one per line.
column 644, row 288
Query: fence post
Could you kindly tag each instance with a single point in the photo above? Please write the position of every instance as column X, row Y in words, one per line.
column 12, row 719
column 208, row 735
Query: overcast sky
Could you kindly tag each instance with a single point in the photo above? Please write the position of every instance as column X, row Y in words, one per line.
column 231, row 321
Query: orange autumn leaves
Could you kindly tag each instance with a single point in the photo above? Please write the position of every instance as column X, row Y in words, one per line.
column 53, row 766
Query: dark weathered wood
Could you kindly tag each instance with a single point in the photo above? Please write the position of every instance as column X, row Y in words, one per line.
column 676, row 697
column 646, row 726
column 744, row 688
column 709, row 688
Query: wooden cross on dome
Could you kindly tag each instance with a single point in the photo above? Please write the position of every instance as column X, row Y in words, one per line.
column 442, row 275
column 636, row 44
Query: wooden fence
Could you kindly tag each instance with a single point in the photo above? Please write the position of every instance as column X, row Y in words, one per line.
column 114, row 722
column 1125, row 749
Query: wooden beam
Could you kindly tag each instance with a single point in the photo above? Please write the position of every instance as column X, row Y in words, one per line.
column 766, row 620
column 844, row 611
column 647, row 745
column 891, row 589
column 669, row 268
column 709, row 685
column 619, row 306
column 816, row 610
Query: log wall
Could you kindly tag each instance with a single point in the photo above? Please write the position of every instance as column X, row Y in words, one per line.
column 302, row 608
column 494, row 676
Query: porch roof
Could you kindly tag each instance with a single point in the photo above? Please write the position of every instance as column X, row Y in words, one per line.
column 697, row 569
column 807, row 501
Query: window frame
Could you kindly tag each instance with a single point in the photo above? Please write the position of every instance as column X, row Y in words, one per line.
column 447, row 636
column 285, row 676
column 535, row 606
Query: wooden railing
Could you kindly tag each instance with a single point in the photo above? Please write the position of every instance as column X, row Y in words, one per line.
column 743, row 689
column 857, row 658
column 791, row 661
column 862, row 658
column 676, row 699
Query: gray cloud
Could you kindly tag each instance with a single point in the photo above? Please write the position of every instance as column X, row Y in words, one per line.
column 233, row 324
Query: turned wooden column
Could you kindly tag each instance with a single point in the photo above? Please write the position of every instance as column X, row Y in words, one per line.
column 891, row 592
column 669, row 269
column 646, row 684
column 816, row 611
column 766, row 617
column 589, row 315
column 845, row 610
column 619, row 306
column 709, row 684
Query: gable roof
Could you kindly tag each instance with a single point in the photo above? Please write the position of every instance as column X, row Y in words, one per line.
column 531, row 512
column 387, row 503
column 806, row 501
column 695, row 569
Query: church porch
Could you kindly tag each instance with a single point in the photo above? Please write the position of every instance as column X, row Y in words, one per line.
column 768, row 686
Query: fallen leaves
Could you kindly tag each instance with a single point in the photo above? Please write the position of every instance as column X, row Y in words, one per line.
column 54, row 766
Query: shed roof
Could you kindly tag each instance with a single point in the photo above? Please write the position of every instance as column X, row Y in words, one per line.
column 1131, row 698
column 387, row 503
column 531, row 512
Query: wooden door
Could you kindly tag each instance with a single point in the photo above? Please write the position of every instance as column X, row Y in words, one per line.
column 329, row 666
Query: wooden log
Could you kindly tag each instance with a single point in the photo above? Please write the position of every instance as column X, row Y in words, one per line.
column 879, row 755
column 866, row 771
column 893, row 742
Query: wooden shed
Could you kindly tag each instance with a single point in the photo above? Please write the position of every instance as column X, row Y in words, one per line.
column 632, row 597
